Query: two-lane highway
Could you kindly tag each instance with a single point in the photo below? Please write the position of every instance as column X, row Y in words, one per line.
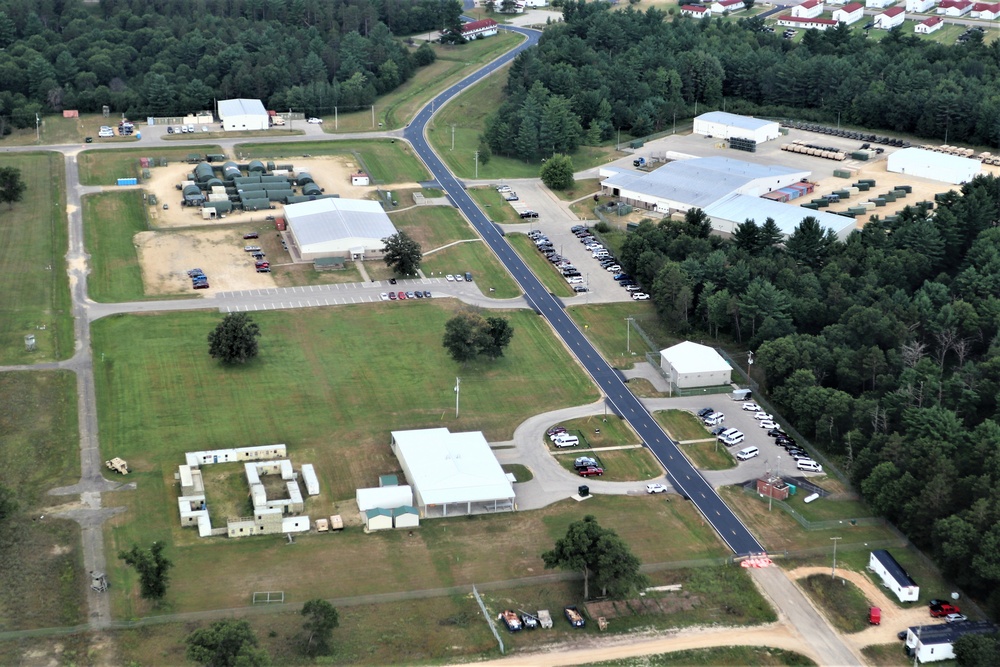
column 681, row 473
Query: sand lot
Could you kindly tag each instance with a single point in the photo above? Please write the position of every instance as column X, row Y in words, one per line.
column 184, row 240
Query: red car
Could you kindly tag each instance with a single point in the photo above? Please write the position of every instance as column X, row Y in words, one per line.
column 402, row 295
column 942, row 610
column 591, row 471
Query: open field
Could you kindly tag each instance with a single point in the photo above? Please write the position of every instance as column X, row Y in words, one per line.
column 708, row 455
column 476, row 257
column 433, row 226
column 42, row 579
column 886, row 655
column 681, row 425
column 542, row 268
column 778, row 531
column 105, row 167
column 386, row 161
column 581, row 188
column 620, row 465
column 111, row 220
column 605, row 326
column 494, row 205
column 841, row 601
column 468, row 112
column 35, row 297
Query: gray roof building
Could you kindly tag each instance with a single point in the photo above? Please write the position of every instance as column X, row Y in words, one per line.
column 736, row 209
column 338, row 228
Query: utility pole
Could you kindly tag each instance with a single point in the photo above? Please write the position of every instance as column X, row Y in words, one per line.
column 833, row 573
column 458, row 386
column 749, row 363
column 336, row 119
column 38, row 135
column 452, row 136
column 477, row 164
column 628, row 334
column 373, row 116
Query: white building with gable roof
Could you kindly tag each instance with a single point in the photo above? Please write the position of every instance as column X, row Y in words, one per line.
column 348, row 228
column 692, row 365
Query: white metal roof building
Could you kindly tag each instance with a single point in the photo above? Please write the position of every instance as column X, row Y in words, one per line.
column 729, row 125
column 737, row 209
column 386, row 497
column 697, row 183
column 351, row 228
column 692, row 365
column 932, row 165
column 451, row 471
column 929, row 643
column 242, row 114
column 893, row 576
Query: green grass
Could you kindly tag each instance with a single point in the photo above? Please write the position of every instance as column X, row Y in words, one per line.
column 620, row 465
column 827, row 509
column 42, row 578
column 779, row 532
column 35, row 299
column 542, row 268
column 494, row 205
column 887, row 655
column 104, row 167
column 709, row 455
column 476, row 257
column 521, row 473
column 581, row 188
column 388, row 162
column 736, row 656
column 432, row 226
column 468, row 112
column 110, row 221
column 842, row 602
column 605, row 326
column 681, row 425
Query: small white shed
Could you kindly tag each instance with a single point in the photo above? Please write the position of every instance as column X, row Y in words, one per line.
column 378, row 518
column 693, row 365
column 360, row 178
column 310, row 479
column 406, row 517
column 893, row 575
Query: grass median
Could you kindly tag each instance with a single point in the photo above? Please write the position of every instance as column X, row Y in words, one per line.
column 607, row 328
column 542, row 268
column 843, row 603
column 33, row 241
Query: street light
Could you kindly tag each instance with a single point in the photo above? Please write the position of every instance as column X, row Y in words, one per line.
column 458, row 386
column 833, row 573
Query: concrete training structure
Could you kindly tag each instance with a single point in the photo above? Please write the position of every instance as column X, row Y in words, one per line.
column 452, row 470
column 893, row 575
column 692, row 365
column 338, row 228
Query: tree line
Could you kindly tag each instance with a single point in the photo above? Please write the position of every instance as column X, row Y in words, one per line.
column 883, row 349
column 172, row 58
column 600, row 71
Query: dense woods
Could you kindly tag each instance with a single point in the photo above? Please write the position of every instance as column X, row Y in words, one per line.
column 884, row 350
column 601, row 70
column 174, row 57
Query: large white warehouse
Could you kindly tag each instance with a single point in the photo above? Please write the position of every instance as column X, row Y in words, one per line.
column 696, row 183
column 240, row 114
column 732, row 126
column 737, row 209
column 935, row 166
column 348, row 228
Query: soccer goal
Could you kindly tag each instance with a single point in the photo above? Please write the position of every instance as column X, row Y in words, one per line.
column 268, row 597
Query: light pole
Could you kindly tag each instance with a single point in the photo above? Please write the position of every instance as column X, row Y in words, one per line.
column 477, row 164
column 458, row 386
column 452, row 136
column 38, row 136
column 833, row 573
column 749, row 363
column 628, row 334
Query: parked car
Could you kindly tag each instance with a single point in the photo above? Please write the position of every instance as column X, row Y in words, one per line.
column 314, row 121
column 251, row 235
column 808, row 465
column 776, row 431
column 263, row 269
column 767, row 424
column 942, row 610
column 580, row 288
column 392, row 296
column 751, row 407
column 251, row 248
column 956, row 618
column 704, row 412
column 450, row 278
column 401, row 295
column 640, row 296
column 592, row 471
column 411, row 295
column 555, row 429
column 656, row 488
column 383, row 296
column 761, row 416
column 427, row 294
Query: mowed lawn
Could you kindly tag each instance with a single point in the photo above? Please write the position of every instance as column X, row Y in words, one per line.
column 35, row 296
column 105, row 167
column 432, row 226
column 478, row 258
column 387, row 161
column 110, row 221
column 606, row 327
column 42, row 579
column 542, row 268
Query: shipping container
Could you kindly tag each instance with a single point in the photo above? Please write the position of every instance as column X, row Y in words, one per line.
column 841, row 173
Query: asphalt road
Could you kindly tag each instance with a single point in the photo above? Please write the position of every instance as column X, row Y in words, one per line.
column 684, row 477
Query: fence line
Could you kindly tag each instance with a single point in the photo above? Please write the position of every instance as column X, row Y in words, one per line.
column 489, row 619
column 818, row 525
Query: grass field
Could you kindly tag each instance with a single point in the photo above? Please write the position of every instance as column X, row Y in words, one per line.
column 843, row 603
column 432, row 226
column 104, row 167
column 709, row 455
column 542, row 268
column 468, row 112
column 681, row 425
column 35, row 298
column 494, row 205
column 778, row 531
column 596, row 432
column 728, row 656
column 605, row 326
column 887, row 655
column 110, row 221
column 42, row 578
column 581, row 188
column 476, row 257
column 620, row 465
column 386, row 161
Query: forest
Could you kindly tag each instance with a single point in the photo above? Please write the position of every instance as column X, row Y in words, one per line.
column 600, row 71
column 172, row 57
column 883, row 350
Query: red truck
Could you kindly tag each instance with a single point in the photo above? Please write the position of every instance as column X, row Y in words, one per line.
column 943, row 609
column 874, row 616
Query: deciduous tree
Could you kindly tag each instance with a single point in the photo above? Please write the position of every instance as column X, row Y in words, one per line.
column 12, row 186
column 557, row 172
column 402, row 254
column 229, row 643
column 321, row 619
column 599, row 553
column 234, row 340
column 153, row 568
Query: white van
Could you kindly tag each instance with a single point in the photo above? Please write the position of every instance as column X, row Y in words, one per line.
column 715, row 419
column 733, row 439
column 809, row 465
column 568, row 441
column 748, row 453
column 728, row 432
